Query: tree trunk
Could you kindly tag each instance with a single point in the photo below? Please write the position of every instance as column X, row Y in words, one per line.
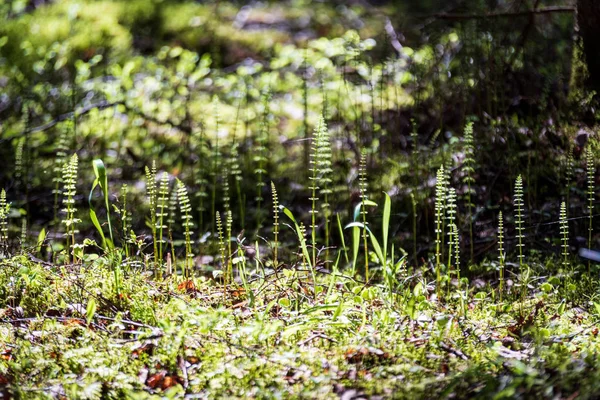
column 588, row 19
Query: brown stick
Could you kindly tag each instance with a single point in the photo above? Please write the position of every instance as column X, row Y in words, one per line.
column 503, row 14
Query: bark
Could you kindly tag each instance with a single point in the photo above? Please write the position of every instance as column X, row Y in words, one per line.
column 588, row 19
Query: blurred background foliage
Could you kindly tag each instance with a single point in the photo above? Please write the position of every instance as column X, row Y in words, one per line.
column 142, row 77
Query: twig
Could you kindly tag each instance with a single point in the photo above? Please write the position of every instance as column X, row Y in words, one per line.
column 504, row 14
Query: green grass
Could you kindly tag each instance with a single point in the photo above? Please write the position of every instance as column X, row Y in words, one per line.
column 168, row 338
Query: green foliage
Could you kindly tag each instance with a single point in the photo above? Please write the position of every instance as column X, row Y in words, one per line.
column 564, row 232
column 590, row 168
column 69, row 180
column 364, row 201
column 519, row 218
column 440, row 198
column 134, row 81
column 185, row 207
column 469, row 170
column 275, row 225
column 162, row 213
column 102, row 181
column 4, row 210
column 152, row 196
column 501, row 253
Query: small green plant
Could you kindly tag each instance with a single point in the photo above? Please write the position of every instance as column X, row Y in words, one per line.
column 590, row 172
column 323, row 157
column 59, row 160
column 451, row 220
column 469, row 169
column 69, row 180
column 200, row 179
column 569, row 166
column 320, row 171
column 125, row 221
column 186, row 222
column 261, row 158
column 23, row 233
column 364, row 198
column 221, row 245
column 275, row 225
column 413, row 202
column 225, row 187
column 171, row 222
column 519, row 218
column 501, row 253
column 162, row 214
column 456, row 238
column 152, row 194
column 4, row 210
column 228, row 230
column 440, row 197
column 102, row 181
column 19, row 163
column 564, row 232
column 216, row 158
column 236, row 173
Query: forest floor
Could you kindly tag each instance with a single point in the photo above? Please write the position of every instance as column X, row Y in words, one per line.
column 72, row 336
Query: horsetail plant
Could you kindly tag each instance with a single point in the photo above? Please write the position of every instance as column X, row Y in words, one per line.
column 320, row 171
column 216, row 158
column 4, row 210
column 260, row 158
column 564, row 232
column 221, row 244
column 187, row 224
column 569, row 165
column 228, row 230
column 590, row 172
column 469, row 169
column 363, row 186
column 23, row 232
column 501, row 253
column 456, row 253
column 236, row 173
column 171, row 222
column 69, row 180
column 323, row 157
column 225, row 187
column 275, row 225
column 162, row 213
column 125, row 221
column 518, row 205
column 451, row 218
column 151, row 192
column 413, row 202
column 440, row 195
column 201, row 182
column 19, row 170
column 59, row 161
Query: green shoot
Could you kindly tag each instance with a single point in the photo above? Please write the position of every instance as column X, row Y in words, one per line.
column 275, row 225
column 469, row 168
column 518, row 204
column 186, row 217
column 162, row 213
column 362, row 184
column 501, row 253
column 151, row 192
column 102, row 181
column 440, row 195
column 564, row 231
column 591, row 171
column 69, row 180
column 4, row 210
